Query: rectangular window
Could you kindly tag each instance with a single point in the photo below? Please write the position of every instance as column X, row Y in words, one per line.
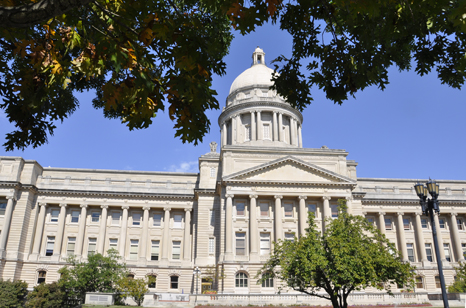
column 264, row 206
column 176, row 250
column 157, row 220
column 74, row 216
column 459, row 223
column 424, row 223
column 70, row 246
column 419, row 282
column 92, row 246
column 406, row 223
column 212, row 218
column 177, row 218
column 239, row 209
column 50, row 244
column 441, row 223
column 463, row 246
column 113, row 243
column 268, row 283
column 370, row 220
column 288, row 209
column 334, row 208
column 54, row 215
column 115, row 218
column 446, row 249
column 265, row 244
column 173, row 282
column 212, row 172
column 2, row 209
column 289, row 236
column 211, row 245
column 95, row 217
column 267, row 131
column 136, row 219
column 247, row 132
column 438, row 285
column 155, row 250
column 133, row 250
column 388, row 223
column 410, row 249
column 429, row 252
column 312, row 208
column 240, row 243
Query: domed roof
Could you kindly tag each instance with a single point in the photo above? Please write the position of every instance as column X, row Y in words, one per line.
column 258, row 74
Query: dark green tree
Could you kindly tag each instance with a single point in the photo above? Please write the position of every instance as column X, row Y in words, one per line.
column 350, row 255
column 12, row 293
column 47, row 296
column 459, row 285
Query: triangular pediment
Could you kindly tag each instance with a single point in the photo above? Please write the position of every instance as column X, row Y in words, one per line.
column 289, row 170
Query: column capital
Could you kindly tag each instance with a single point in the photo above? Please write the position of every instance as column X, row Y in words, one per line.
column 188, row 210
column 229, row 196
column 104, row 206
column 84, row 205
column 418, row 213
column 364, row 213
column 146, row 208
column 382, row 213
column 11, row 197
column 278, row 197
column 258, row 111
column 349, row 198
column 63, row 205
column 125, row 207
column 42, row 204
column 167, row 209
column 252, row 111
column 302, row 197
column 400, row 213
column 454, row 214
column 253, row 196
column 326, row 198
column 436, row 214
column 275, row 112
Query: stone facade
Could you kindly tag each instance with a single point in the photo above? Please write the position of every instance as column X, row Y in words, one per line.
column 224, row 219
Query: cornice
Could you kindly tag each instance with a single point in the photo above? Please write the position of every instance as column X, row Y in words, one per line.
column 205, row 192
column 290, row 183
column 51, row 192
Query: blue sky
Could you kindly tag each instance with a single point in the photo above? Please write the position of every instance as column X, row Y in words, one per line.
column 414, row 129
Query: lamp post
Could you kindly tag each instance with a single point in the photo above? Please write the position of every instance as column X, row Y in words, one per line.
column 196, row 273
column 428, row 207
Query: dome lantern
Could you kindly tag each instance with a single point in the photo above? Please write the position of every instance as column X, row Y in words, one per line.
column 258, row 57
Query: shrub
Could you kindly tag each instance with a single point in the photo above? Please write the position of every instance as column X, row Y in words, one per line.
column 12, row 293
column 46, row 296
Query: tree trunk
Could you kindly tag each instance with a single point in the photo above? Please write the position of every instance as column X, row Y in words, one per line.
column 334, row 300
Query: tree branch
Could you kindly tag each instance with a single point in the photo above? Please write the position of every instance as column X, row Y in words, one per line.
column 31, row 14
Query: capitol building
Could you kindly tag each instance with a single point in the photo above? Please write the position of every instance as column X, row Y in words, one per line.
column 254, row 187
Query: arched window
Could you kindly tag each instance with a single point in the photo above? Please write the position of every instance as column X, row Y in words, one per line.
column 241, row 280
column 41, row 277
column 267, row 283
column 152, row 279
column 130, row 276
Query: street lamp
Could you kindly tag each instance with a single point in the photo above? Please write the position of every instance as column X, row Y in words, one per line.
column 428, row 207
column 196, row 273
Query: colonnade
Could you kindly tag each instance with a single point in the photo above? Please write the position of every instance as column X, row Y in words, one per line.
column 6, row 223
column 277, row 132
column 101, row 237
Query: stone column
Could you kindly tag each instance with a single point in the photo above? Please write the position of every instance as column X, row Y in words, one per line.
column 382, row 222
column 295, row 132
column 60, row 230
column 229, row 225
column 292, row 132
column 224, row 133
column 6, row 225
column 253, row 126
column 280, row 127
column 166, row 234
column 82, row 226
column 327, row 213
column 349, row 205
column 253, row 230
column 302, row 215
column 238, row 128
column 278, row 218
column 39, row 229
column 420, row 238
column 145, row 230
column 124, row 227
column 233, row 130
column 300, row 136
column 401, row 237
column 275, row 127
column 260, row 130
column 187, row 235
column 456, row 238
column 103, row 229
column 439, row 239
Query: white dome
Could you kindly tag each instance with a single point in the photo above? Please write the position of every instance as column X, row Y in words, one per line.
column 258, row 74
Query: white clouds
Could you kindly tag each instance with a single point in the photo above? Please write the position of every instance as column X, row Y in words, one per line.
column 190, row 166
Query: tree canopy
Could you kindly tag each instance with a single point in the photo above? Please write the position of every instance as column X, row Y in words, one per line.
column 142, row 57
column 459, row 285
column 350, row 255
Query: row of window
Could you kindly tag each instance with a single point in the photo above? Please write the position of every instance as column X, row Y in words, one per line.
column 157, row 218
column 429, row 254
column 240, row 247
column 407, row 224
column 265, row 209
